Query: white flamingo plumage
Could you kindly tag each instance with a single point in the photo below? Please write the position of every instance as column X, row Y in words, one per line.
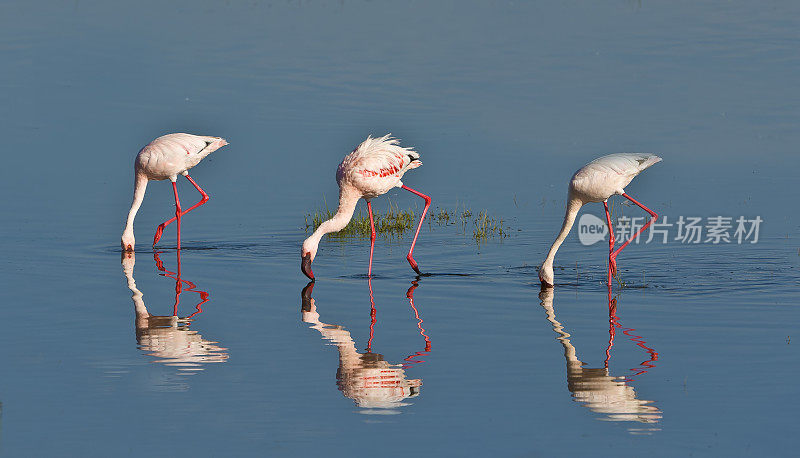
column 596, row 182
column 372, row 169
column 165, row 158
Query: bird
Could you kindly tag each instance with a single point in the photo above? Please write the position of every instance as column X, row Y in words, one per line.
column 597, row 181
column 165, row 158
column 372, row 169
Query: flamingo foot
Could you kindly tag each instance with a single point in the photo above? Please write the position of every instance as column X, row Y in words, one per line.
column 612, row 264
column 159, row 233
column 413, row 264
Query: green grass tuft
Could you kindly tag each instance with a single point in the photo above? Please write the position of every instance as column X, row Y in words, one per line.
column 488, row 227
column 396, row 223
column 393, row 224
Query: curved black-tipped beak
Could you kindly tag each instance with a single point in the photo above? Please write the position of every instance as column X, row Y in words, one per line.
column 305, row 267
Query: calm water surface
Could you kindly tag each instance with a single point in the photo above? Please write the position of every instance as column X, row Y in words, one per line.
column 221, row 350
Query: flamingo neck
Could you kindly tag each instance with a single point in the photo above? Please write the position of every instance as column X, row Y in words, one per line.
column 139, row 186
column 574, row 204
column 347, row 205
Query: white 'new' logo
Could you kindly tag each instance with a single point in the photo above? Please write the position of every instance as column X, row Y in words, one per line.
column 591, row 229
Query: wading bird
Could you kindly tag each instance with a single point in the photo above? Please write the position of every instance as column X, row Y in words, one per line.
column 165, row 158
column 372, row 169
column 596, row 182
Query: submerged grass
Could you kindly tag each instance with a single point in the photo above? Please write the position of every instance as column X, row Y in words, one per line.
column 396, row 223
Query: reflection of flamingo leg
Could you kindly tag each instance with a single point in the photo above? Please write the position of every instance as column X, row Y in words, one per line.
column 169, row 273
column 410, row 256
column 178, row 282
column 203, row 200
column 410, row 359
column 371, row 237
column 204, row 297
column 641, row 343
column 614, row 322
column 373, row 313
column 612, row 318
column 179, row 285
column 612, row 258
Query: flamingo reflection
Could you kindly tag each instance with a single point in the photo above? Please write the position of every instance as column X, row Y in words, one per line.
column 372, row 382
column 168, row 338
column 596, row 388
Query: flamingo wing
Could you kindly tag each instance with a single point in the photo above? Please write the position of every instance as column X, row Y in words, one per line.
column 629, row 164
column 377, row 164
column 382, row 165
column 609, row 175
column 171, row 154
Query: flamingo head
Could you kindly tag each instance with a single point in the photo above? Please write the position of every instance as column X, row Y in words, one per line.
column 546, row 275
column 307, row 254
column 214, row 143
column 128, row 242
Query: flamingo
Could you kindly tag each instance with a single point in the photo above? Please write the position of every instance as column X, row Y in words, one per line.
column 372, row 169
column 165, row 158
column 596, row 182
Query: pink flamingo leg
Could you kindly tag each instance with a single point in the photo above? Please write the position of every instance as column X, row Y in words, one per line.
column 371, row 237
column 612, row 259
column 203, row 200
column 611, row 241
column 177, row 211
column 652, row 213
column 410, row 256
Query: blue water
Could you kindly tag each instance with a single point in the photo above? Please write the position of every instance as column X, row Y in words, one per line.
column 504, row 101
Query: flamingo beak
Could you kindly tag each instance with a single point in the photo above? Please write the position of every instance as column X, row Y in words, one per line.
column 305, row 266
